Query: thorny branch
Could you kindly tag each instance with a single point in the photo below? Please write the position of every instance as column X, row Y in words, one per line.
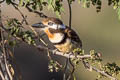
column 99, row 71
column 78, row 56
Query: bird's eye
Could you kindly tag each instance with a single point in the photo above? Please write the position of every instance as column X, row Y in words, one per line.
column 50, row 23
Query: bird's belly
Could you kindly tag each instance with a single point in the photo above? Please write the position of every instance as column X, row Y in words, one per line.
column 65, row 47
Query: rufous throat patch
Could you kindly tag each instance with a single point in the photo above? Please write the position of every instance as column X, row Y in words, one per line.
column 50, row 35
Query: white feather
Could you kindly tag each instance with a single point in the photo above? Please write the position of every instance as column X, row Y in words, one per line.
column 58, row 37
column 56, row 26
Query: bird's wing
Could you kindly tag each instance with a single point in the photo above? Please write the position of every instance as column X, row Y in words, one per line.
column 73, row 36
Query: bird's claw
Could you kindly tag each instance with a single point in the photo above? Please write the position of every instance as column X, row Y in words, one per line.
column 54, row 51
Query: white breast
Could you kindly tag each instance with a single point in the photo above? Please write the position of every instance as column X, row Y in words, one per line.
column 58, row 37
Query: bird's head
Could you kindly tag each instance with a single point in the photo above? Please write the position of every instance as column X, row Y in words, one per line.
column 50, row 22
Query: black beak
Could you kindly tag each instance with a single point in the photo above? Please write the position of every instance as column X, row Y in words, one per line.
column 38, row 25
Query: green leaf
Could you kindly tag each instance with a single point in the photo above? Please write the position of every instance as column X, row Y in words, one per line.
column 92, row 52
column 20, row 2
column 12, row 43
column 50, row 4
column 62, row 9
column 88, row 4
column 26, row 1
column 58, row 14
column 115, row 7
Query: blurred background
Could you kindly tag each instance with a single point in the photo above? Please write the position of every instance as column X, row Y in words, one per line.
column 98, row 31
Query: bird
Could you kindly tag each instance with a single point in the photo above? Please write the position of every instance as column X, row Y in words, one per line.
column 61, row 36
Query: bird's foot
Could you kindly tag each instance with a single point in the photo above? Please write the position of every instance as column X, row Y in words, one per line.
column 55, row 50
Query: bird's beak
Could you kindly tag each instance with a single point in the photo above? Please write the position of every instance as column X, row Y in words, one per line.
column 38, row 25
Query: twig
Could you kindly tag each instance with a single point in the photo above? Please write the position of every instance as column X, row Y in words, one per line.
column 99, row 71
column 70, row 75
column 1, row 74
column 7, row 68
column 65, row 69
column 4, row 55
column 61, row 54
column 36, row 34
column 1, row 66
column 3, row 61
column 24, row 20
column 42, row 15
column 70, row 13
column 17, row 67
column 70, row 20
column 24, row 17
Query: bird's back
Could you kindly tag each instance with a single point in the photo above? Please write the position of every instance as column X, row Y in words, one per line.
column 73, row 36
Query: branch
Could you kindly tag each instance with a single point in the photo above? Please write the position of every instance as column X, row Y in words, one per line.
column 5, row 71
column 37, row 12
column 70, row 13
column 1, row 74
column 80, row 57
column 5, row 57
column 61, row 54
column 99, row 71
column 24, row 17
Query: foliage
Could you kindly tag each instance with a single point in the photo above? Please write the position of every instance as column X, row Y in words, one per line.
column 53, row 66
column 16, row 29
column 57, row 5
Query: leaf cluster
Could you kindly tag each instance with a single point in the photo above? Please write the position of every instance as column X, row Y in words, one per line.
column 111, row 68
column 17, row 30
column 116, row 6
column 57, row 5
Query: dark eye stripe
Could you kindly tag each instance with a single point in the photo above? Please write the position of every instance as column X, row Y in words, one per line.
column 50, row 23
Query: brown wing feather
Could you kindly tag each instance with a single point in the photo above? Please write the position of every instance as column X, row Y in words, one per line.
column 74, row 37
